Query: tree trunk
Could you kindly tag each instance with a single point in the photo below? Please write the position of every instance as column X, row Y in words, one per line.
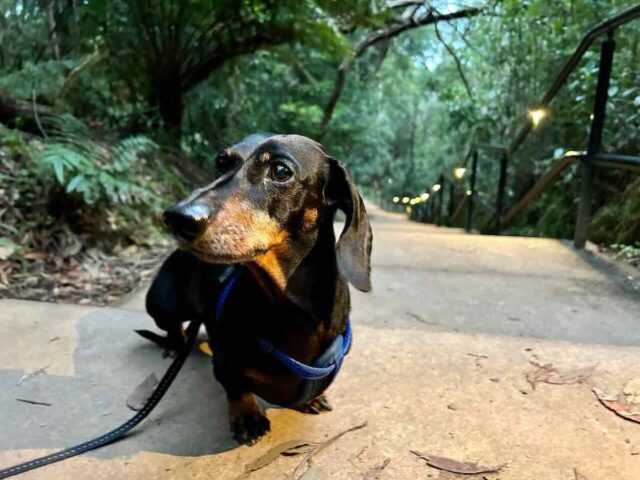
column 22, row 114
column 51, row 22
column 168, row 98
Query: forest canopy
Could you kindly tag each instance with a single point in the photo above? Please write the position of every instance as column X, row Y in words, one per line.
column 109, row 109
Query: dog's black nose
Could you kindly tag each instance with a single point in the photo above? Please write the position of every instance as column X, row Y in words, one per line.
column 186, row 221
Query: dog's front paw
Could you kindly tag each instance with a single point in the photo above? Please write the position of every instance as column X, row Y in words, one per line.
column 248, row 421
column 317, row 405
column 171, row 343
column 249, row 427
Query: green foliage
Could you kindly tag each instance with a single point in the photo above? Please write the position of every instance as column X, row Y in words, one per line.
column 219, row 70
column 97, row 172
column 618, row 221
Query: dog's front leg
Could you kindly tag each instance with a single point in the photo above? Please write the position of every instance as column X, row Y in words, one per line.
column 247, row 418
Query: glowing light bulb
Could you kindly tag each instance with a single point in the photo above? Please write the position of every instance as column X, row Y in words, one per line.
column 537, row 115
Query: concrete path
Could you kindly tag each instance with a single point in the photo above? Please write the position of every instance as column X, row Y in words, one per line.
column 442, row 347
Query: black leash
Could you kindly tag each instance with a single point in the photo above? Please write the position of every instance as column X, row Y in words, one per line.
column 122, row 430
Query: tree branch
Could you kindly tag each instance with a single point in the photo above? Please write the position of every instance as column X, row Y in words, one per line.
column 457, row 61
column 199, row 72
column 383, row 34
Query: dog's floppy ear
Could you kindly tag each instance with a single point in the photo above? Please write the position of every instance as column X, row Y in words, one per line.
column 354, row 245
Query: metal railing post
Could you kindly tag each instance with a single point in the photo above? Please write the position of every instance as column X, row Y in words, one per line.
column 595, row 140
column 432, row 209
column 472, row 189
column 450, row 204
column 502, row 183
column 440, row 193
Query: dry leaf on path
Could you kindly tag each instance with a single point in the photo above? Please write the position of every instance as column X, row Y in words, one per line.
column 305, row 463
column 140, row 395
column 540, row 374
column 33, row 402
column 28, row 376
column 291, row 447
column 619, row 406
column 374, row 473
column 547, row 373
column 455, row 466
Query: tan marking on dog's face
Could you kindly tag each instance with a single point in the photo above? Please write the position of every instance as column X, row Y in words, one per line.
column 265, row 157
column 238, row 232
column 310, row 218
column 272, row 262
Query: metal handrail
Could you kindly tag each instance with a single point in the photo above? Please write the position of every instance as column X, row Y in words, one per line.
column 591, row 157
column 603, row 27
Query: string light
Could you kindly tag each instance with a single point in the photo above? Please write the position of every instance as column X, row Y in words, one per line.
column 459, row 172
column 537, row 115
column 396, row 199
column 436, row 187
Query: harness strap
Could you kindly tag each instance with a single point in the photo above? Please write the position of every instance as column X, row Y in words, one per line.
column 306, row 372
column 122, row 430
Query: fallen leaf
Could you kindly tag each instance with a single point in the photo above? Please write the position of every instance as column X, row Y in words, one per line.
column 455, row 466
column 619, row 406
column 140, row 395
column 540, row 374
column 40, row 371
column 7, row 248
column 305, row 463
column 291, row 447
column 569, row 377
column 34, row 255
column 547, row 373
column 33, row 402
column 478, row 355
column 374, row 473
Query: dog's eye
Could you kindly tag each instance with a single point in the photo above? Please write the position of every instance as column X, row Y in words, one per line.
column 224, row 162
column 279, row 172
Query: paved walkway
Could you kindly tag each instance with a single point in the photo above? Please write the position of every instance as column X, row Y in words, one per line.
column 442, row 347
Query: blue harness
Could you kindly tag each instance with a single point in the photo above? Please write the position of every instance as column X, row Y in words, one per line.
column 317, row 377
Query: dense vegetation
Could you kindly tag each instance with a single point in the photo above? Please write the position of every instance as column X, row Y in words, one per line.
column 110, row 109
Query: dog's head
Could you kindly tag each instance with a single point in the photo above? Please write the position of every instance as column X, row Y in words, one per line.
column 271, row 196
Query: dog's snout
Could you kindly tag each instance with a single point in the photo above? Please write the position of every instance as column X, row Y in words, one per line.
column 186, row 221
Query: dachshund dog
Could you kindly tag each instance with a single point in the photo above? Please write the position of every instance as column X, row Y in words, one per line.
column 266, row 225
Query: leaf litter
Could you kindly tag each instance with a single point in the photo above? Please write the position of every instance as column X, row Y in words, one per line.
column 455, row 466
column 142, row 393
column 307, row 448
column 625, row 404
column 375, row 472
column 547, row 373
